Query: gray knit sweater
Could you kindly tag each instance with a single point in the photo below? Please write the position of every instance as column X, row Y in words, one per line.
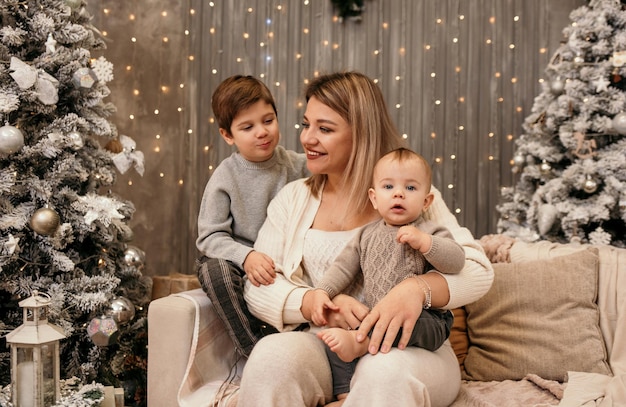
column 234, row 204
column 384, row 262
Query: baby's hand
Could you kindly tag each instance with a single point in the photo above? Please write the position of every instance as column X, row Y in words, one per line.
column 321, row 303
column 259, row 268
column 415, row 238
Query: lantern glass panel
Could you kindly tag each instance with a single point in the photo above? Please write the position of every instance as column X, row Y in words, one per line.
column 25, row 377
column 48, row 362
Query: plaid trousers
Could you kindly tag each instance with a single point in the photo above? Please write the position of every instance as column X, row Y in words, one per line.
column 223, row 282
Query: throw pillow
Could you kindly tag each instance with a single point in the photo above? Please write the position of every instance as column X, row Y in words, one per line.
column 539, row 317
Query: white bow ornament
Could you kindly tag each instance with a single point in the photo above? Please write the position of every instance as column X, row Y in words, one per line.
column 46, row 85
column 129, row 156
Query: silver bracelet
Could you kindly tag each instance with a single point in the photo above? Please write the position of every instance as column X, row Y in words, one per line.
column 427, row 292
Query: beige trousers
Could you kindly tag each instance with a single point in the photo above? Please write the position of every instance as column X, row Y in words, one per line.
column 291, row 369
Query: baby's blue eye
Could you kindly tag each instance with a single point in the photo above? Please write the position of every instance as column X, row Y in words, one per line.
column 411, row 188
column 387, row 186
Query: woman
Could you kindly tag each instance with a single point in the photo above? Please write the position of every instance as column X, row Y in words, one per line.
column 346, row 128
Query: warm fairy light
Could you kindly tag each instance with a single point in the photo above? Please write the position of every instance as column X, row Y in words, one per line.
column 136, row 92
column 163, row 13
column 133, row 39
column 131, row 17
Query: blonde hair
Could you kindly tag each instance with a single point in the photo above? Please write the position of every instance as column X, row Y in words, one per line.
column 359, row 101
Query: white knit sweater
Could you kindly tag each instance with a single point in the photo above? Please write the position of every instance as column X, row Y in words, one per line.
column 291, row 214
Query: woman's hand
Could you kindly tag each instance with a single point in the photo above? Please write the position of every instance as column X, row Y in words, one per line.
column 259, row 268
column 400, row 308
column 349, row 315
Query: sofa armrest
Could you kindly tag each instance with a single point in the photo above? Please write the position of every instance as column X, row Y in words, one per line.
column 190, row 355
column 171, row 326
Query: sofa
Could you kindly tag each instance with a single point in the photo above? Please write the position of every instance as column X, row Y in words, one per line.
column 550, row 331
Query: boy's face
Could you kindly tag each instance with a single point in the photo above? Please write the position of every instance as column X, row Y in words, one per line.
column 401, row 190
column 254, row 131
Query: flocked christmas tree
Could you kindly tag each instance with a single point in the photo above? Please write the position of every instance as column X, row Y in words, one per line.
column 572, row 156
column 62, row 230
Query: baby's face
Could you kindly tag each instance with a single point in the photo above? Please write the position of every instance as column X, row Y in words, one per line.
column 401, row 190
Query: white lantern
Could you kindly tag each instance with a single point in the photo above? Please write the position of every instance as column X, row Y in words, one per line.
column 35, row 368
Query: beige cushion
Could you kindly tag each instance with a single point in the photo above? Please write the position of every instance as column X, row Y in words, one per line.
column 539, row 317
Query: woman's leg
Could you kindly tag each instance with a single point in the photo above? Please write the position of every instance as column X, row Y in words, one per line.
column 410, row 377
column 287, row 369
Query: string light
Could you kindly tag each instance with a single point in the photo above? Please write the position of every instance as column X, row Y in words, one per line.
column 444, row 103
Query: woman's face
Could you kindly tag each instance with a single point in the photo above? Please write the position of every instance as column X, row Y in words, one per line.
column 326, row 138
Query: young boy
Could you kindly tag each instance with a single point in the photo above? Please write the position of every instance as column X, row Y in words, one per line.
column 235, row 201
column 399, row 246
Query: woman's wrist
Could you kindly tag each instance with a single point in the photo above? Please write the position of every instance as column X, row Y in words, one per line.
column 428, row 294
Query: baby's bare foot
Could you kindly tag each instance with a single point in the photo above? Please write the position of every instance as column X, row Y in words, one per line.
column 343, row 343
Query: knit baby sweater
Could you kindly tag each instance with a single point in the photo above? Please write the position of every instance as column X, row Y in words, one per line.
column 385, row 262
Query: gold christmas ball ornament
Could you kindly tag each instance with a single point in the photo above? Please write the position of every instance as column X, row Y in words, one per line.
column 545, row 167
column 590, row 186
column 45, row 221
column 11, row 139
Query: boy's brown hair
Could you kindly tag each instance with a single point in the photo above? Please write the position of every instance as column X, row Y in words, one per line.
column 235, row 94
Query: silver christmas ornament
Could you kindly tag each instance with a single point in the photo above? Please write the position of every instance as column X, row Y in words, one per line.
column 11, row 139
column 518, row 160
column 122, row 310
column 545, row 167
column 103, row 330
column 84, row 78
column 619, row 123
column 45, row 221
column 134, row 257
column 557, row 86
